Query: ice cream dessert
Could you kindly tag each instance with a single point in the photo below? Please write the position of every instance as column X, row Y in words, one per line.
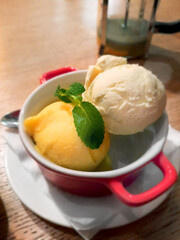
column 103, row 63
column 128, row 96
column 56, row 138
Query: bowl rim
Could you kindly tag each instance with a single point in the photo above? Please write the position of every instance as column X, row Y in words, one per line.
column 140, row 162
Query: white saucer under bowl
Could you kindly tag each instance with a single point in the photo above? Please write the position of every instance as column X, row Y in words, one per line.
column 34, row 198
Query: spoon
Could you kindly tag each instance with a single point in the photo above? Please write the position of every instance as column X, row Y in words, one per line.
column 11, row 119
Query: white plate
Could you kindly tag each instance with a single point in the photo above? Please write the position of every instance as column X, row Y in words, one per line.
column 38, row 202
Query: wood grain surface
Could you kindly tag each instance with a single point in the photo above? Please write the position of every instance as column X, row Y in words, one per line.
column 38, row 36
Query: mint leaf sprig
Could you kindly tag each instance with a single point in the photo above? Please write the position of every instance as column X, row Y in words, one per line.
column 70, row 95
column 87, row 119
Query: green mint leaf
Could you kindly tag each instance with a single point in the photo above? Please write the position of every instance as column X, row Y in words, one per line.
column 58, row 91
column 76, row 89
column 71, row 95
column 89, row 124
column 87, row 119
column 62, row 94
column 65, row 99
column 80, row 98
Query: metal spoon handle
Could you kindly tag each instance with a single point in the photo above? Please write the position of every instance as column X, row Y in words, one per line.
column 11, row 119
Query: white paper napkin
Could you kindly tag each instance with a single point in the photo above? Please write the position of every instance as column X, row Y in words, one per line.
column 89, row 216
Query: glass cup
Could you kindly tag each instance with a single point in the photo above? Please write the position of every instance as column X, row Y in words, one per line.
column 125, row 27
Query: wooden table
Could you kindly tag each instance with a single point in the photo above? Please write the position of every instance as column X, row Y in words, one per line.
column 38, row 36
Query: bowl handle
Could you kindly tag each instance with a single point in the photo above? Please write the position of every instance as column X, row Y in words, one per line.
column 170, row 176
column 48, row 75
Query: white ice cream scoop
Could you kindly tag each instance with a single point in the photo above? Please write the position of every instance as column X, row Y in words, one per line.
column 129, row 98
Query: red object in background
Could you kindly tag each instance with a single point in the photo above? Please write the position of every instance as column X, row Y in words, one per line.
column 54, row 73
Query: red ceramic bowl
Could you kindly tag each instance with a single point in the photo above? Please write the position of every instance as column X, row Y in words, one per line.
column 135, row 151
